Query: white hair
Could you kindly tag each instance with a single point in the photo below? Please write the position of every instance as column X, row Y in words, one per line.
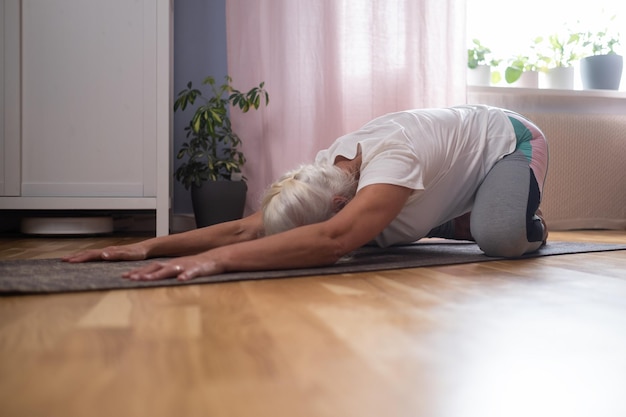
column 305, row 196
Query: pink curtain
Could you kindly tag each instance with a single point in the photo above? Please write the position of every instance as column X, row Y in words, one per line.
column 332, row 65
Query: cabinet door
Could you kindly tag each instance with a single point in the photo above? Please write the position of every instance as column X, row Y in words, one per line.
column 89, row 71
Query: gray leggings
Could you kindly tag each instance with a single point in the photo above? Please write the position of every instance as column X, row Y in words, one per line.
column 503, row 220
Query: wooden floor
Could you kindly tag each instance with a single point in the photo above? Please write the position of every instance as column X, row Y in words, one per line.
column 537, row 337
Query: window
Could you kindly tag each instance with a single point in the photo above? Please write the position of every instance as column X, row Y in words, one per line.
column 509, row 28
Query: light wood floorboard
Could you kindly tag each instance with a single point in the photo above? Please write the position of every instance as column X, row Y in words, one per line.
column 537, row 337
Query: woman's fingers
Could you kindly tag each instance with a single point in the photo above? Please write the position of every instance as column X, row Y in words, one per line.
column 111, row 253
column 154, row 271
column 182, row 269
column 86, row 256
column 141, row 273
column 123, row 253
column 193, row 271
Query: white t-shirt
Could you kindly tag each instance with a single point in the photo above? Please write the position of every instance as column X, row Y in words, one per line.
column 443, row 155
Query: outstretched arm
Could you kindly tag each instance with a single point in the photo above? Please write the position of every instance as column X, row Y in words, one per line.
column 372, row 209
column 180, row 244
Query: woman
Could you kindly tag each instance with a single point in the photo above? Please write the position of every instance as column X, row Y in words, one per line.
column 466, row 172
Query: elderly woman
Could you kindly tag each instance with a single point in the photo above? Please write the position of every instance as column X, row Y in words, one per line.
column 467, row 172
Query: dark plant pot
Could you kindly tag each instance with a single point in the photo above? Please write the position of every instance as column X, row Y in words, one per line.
column 601, row 72
column 218, row 201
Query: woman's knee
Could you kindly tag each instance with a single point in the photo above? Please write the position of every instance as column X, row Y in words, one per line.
column 500, row 236
column 507, row 247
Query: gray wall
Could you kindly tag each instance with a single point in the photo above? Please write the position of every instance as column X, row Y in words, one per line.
column 199, row 51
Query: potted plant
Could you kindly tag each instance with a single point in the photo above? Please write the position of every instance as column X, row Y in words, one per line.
column 602, row 67
column 522, row 71
column 479, row 64
column 213, row 160
column 558, row 63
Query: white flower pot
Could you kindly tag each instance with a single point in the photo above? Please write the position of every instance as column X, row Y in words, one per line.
column 481, row 75
column 528, row 79
column 559, row 78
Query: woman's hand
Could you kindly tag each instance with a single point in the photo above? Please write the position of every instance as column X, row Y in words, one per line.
column 183, row 269
column 133, row 252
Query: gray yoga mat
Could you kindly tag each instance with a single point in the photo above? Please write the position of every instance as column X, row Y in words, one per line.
column 53, row 276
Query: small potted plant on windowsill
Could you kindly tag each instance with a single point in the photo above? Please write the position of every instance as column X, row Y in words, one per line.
column 602, row 67
column 480, row 64
column 523, row 69
column 558, row 62
column 213, row 161
column 522, row 72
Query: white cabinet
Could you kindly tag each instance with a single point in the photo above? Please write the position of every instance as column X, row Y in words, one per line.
column 86, row 106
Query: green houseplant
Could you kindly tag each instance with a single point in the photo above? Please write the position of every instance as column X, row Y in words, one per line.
column 601, row 43
column 563, row 51
column 519, row 66
column 480, row 62
column 557, row 57
column 602, row 67
column 523, row 69
column 211, row 154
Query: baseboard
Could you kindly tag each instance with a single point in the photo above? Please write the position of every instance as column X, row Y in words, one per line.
column 126, row 221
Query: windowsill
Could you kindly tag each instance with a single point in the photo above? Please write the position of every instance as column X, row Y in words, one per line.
column 611, row 94
column 550, row 101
